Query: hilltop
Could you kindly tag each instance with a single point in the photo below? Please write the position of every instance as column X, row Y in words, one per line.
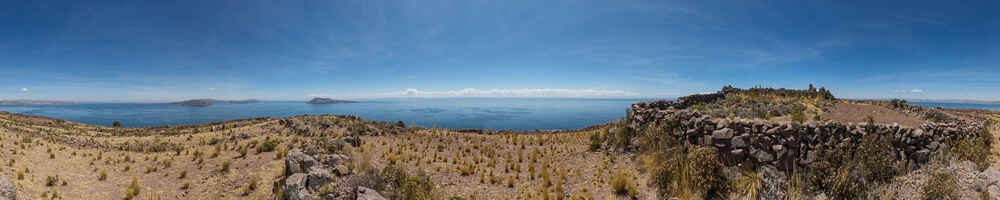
column 755, row 143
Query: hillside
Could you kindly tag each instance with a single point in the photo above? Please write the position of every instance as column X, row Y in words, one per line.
column 735, row 144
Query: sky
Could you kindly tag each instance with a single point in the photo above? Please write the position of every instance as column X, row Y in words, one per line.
column 154, row 51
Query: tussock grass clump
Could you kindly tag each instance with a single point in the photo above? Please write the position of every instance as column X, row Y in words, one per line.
column 400, row 185
column 749, row 185
column 941, row 186
column 688, row 172
column 976, row 149
column 102, row 176
column 132, row 191
column 622, row 184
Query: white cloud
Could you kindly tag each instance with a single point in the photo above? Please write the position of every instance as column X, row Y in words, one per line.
column 917, row 91
column 900, row 91
column 211, row 89
column 24, row 89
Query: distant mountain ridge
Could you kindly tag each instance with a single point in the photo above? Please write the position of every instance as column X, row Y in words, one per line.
column 34, row 102
column 954, row 101
column 210, row 102
column 328, row 101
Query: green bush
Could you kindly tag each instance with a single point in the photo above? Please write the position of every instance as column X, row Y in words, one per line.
column 941, row 185
column 689, row 172
column 798, row 116
column 267, row 146
column 595, row 141
column 399, row 185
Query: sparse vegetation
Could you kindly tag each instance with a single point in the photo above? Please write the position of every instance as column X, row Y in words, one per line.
column 941, row 186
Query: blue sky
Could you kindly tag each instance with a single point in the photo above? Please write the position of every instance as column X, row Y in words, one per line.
column 147, row 51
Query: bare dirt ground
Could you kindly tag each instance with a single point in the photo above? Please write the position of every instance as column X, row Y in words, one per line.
column 857, row 113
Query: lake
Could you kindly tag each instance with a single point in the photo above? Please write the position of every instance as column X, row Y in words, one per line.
column 478, row 113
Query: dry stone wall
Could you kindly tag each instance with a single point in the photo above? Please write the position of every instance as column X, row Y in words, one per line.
column 786, row 144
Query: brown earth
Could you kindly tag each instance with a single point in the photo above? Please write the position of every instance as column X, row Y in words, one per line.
column 857, row 113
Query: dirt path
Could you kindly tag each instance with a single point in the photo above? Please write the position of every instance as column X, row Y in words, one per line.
column 847, row 112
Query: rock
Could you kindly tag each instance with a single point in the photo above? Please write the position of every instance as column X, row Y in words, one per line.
column 295, row 187
column 7, row 190
column 364, row 193
column 318, row 176
column 987, row 178
column 737, row 142
column 722, row 134
column 298, row 162
column 761, row 156
column 341, row 170
column 922, row 155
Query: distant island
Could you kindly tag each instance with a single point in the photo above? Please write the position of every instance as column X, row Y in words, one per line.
column 328, row 101
column 34, row 102
column 209, row 102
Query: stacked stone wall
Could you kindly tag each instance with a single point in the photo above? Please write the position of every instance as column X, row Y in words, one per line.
column 786, row 144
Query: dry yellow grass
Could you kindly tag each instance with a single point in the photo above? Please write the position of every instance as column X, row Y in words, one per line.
column 91, row 159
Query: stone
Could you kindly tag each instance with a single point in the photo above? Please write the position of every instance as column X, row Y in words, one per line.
column 761, row 156
column 341, row 170
column 737, row 142
column 987, row 178
column 364, row 193
column 723, row 134
column 922, row 156
column 298, row 162
column 7, row 190
column 295, row 187
column 318, row 177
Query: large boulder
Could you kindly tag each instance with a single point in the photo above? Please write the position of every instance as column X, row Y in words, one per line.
column 298, row 162
column 364, row 193
column 295, row 187
column 7, row 190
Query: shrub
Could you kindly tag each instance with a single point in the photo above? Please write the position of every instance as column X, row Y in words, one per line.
column 976, row 149
column 267, row 146
column 252, row 186
column 102, row 176
column 186, row 186
column 132, row 190
column 688, row 172
column 798, row 116
column 622, row 184
column 595, row 141
column 749, row 185
column 51, row 181
column 183, row 174
column 225, row 166
column 941, row 185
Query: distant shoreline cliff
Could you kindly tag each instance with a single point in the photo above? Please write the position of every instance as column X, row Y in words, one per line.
column 328, row 101
column 34, row 102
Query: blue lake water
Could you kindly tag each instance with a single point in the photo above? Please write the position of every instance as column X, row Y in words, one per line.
column 480, row 113
column 961, row 105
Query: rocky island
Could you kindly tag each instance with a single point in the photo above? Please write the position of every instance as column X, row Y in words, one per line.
column 328, row 101
column 209, row 102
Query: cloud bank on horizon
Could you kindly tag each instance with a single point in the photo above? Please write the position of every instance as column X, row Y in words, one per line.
column 140, row 51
